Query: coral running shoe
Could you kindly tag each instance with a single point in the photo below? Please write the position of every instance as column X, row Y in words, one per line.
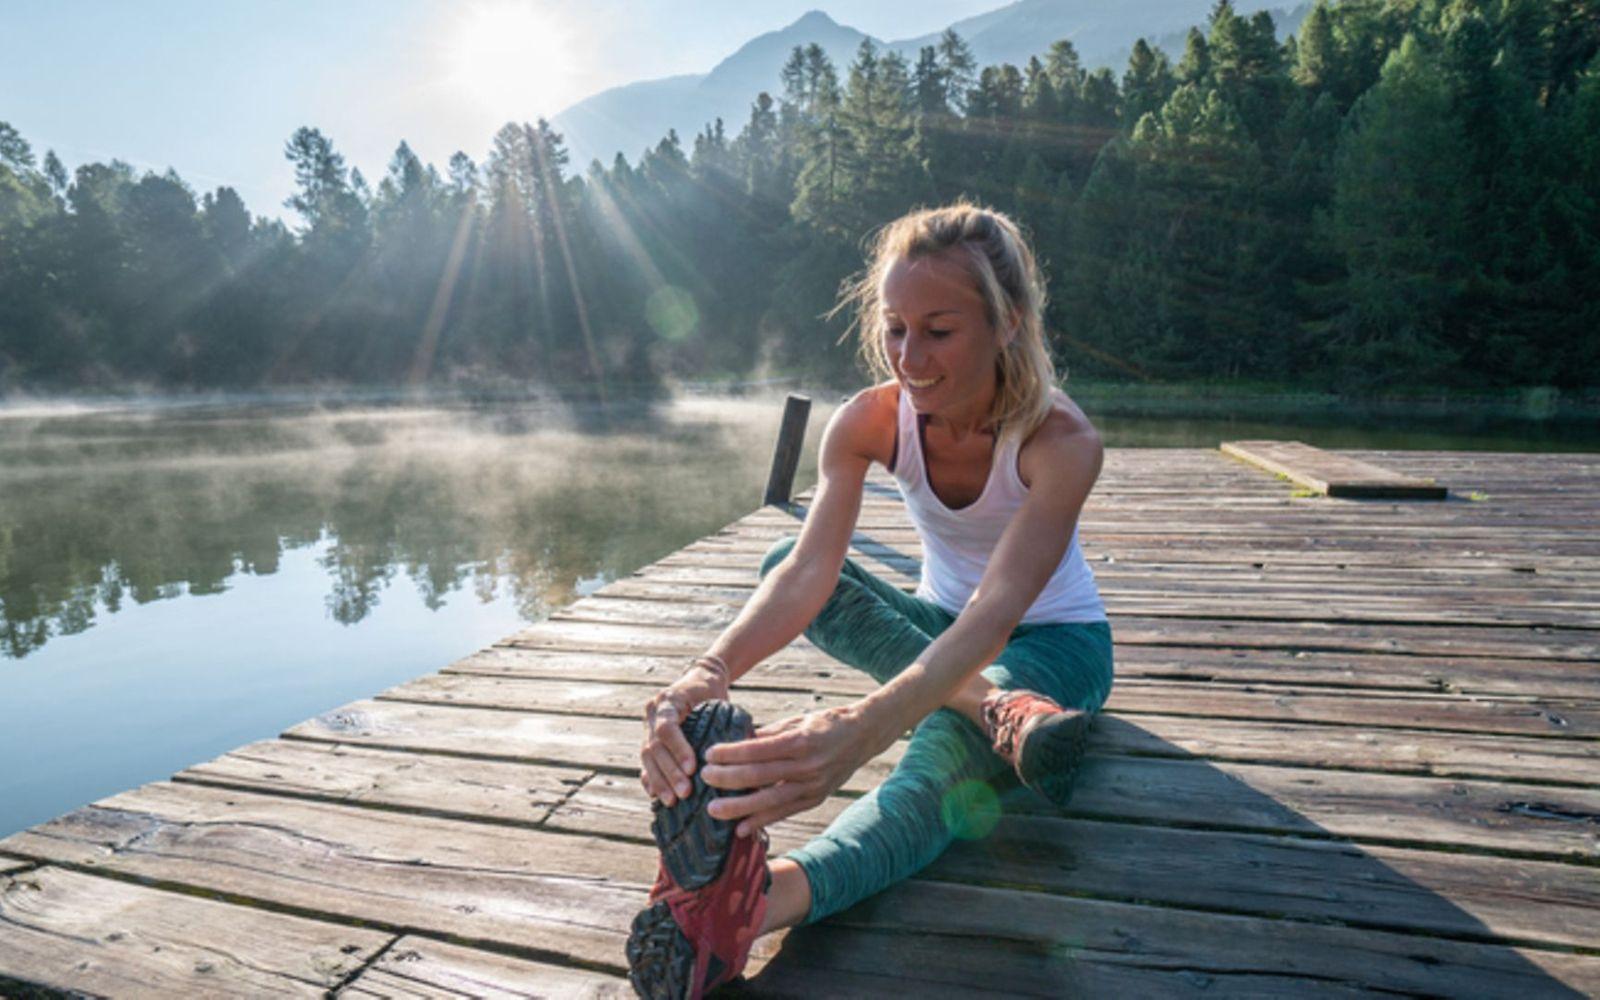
column 1043, row 742
column 711, row 890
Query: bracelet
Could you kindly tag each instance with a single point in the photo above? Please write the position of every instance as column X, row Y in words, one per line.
column 711, row 662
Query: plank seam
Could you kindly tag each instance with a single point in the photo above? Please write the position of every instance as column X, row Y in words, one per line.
column 361, row 969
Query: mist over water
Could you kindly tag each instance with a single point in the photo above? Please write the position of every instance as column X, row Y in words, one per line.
column 177, row 582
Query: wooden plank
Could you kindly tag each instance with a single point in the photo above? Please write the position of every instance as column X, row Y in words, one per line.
column 1495, row 816
column 802, row 666
column 1350, row 748
column 1489, row 815
column 1329, row 603
column 538, row 893
column 1422, row 891
column 1386, row 710
column 927, row 938
column 497, row 791
column 1183, row 628
column 424, row 968
column 70, row 931
column 612, row 744
column 1334, row 475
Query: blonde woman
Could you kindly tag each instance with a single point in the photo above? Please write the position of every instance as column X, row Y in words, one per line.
column 997, row 662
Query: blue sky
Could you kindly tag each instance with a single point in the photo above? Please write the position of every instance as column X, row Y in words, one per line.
column 214, row 89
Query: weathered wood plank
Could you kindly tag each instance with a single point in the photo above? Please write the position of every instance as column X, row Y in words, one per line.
column 1386, row 710
column 931, row 938
column 611, row 744
column 1350, row 748
column 68, row 931
column 1455, row 895
column 1330, row 473
column 498, row 791
column 802, row 666
column 1496, row 816
column 1181, row 627
column 523, row 889
column 1488, row 815
column 424, row 968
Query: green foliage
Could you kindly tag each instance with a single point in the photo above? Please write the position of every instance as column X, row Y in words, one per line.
column 1406, row 192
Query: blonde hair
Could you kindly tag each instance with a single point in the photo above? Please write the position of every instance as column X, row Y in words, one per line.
column 994, row 251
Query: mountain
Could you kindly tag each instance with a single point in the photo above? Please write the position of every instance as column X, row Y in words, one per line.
column 634, row 117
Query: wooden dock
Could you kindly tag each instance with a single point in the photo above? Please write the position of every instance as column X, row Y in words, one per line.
column 1354, row 746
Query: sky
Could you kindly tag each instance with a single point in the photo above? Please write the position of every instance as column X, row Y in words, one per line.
column 214, row 89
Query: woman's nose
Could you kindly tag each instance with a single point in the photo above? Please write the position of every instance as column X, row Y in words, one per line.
column 911, row 351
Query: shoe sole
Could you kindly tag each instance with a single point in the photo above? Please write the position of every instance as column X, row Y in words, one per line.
column 1052, row 753
column 660, row 957
column 695, row 845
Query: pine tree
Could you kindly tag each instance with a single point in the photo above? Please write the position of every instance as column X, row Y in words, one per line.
column 1398, row 221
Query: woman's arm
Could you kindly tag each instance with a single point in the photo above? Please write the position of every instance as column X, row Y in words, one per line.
column 785, row 602
column 798, row 762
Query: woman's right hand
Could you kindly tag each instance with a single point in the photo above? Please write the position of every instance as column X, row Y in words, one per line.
column 666, row 759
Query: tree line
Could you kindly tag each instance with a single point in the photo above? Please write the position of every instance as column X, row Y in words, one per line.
column 1404, row 192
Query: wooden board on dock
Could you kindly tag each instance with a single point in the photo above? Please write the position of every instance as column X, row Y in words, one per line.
column 1332, row 474
column 1353, row 747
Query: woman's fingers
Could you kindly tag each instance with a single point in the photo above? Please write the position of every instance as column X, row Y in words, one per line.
column 768, row 799
column 757, row 749
column 736, row 777
column 669, row 734
column 655, row 785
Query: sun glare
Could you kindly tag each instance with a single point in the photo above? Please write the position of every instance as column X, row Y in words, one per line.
column 509, row 58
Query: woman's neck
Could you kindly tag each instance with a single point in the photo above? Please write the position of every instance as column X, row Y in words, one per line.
column 964, row 418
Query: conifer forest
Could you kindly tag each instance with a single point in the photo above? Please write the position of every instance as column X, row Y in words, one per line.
column 1405, row 192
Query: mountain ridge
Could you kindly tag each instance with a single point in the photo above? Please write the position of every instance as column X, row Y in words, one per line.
column 635, row 116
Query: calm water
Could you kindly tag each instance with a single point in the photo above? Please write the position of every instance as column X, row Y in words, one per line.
column 177, row 582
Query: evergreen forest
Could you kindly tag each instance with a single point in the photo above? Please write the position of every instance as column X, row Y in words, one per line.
column 1405, row 193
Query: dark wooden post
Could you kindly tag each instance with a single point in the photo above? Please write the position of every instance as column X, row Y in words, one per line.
column 786, row 457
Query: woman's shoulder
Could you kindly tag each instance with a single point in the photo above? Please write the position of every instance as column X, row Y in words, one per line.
column 867, row 420
column 1065, row 435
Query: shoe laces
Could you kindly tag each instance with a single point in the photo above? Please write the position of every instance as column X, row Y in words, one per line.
column 1006, row 717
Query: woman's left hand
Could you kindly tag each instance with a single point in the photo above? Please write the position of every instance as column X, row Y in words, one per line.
column 793, row 765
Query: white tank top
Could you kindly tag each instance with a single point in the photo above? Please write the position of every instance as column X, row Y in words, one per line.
column 957, row 544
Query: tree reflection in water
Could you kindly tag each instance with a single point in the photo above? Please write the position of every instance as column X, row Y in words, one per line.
column 102, row 508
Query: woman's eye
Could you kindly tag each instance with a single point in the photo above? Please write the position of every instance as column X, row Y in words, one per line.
column 940, row 333
column 895, row 331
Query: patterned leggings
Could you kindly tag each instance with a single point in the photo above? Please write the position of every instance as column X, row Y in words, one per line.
column 941, row 789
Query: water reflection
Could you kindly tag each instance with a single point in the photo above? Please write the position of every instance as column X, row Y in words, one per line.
column 100, row 509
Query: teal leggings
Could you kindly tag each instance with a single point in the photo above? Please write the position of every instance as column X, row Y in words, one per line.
column 943, row 788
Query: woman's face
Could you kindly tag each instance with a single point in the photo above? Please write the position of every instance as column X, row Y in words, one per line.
column 938, row 336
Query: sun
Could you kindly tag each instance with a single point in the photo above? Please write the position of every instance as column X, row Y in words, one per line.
column 509, row 58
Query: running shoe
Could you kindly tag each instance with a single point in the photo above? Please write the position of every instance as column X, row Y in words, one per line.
column 1043, row 742
column 711, row 889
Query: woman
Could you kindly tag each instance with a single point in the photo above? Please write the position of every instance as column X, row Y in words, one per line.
column 998, row 661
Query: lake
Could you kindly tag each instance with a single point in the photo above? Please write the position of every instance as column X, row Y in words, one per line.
column 176, row 581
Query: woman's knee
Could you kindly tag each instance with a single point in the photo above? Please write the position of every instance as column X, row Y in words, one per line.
column 777, row 553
